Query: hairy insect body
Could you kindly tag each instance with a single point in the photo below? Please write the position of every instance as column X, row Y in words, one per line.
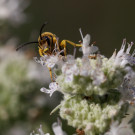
column 49, row 45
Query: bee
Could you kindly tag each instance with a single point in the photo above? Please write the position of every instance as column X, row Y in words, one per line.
column 47, row 42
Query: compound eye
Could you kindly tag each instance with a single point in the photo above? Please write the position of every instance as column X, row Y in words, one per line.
column 44, row 38
column 47, row 40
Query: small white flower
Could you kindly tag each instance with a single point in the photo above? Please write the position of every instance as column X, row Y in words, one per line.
column 86, row 67
column 69, row 69
column 57, row 128
column 121, row 52
column 41, row 61
column 89, row 126
column 127, row 88
column 98, row 77
column 123, row 57
column 129, row 48
column 86, row 49
column 51, row 61
column 86, row 40
column 70, row 59
column 93, row 49
column 120, row 129
column 40, row 132
column 132, row 59
column 113, row 112
column 53, row 87
column 114, row 55
column 85, row 45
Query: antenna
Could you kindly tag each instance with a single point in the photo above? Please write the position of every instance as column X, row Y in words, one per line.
column 42, row 29
column 25, row 45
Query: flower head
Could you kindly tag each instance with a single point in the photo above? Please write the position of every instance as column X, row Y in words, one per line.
column 86, row 48
column 122, row 58
column 53, row 87
column 49, row 60
column 95, row 89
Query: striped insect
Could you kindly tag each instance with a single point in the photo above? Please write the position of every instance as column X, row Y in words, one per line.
column 48, row 44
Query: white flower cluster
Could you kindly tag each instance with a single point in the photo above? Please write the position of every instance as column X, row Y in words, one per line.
column 122, row 58
column 53, row 87
column 127, row 61
column 96, row 89
column 49, row 60
column 12, row 10
column 90, row 116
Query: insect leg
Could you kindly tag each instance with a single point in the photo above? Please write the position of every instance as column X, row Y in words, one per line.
column 50, row 71
column 63, row 44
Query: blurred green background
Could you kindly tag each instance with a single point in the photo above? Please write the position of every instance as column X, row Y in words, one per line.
column 22, row 106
